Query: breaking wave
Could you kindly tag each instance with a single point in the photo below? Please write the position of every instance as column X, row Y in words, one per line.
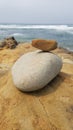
column 56, row 27
column 59, row 28
column 17, row 34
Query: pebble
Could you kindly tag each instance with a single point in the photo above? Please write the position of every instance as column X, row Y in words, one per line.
column 45, row 45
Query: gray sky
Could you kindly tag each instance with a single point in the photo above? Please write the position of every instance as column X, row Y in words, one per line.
column 36, row 11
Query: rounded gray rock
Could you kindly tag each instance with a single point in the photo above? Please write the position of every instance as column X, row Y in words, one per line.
column 34, row 70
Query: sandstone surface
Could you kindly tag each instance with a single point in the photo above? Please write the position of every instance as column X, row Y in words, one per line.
column 50, row 108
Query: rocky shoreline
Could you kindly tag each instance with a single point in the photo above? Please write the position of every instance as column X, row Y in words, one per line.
column 47, row 109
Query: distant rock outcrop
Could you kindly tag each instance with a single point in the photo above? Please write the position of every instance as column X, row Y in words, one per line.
column 9, row 42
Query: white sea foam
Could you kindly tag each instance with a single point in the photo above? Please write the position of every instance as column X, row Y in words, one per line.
column 17, row 34
column 54, row 27
column 70, row 32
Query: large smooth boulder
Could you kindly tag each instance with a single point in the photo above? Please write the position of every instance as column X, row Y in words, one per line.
column 45, row 45
column 34, row 70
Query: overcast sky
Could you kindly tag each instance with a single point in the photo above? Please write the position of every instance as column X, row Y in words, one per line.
column 36, row 11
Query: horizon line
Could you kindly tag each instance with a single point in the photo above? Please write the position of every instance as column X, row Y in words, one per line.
column 36, row 23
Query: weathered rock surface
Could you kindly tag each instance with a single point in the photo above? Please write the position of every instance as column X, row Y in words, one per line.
column 35, row 70
column 50, row 108
column 9, row 43
column 45, row 45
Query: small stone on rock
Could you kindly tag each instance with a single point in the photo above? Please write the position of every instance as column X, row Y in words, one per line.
column 45, row 45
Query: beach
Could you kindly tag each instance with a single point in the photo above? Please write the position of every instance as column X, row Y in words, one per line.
column 50, row 108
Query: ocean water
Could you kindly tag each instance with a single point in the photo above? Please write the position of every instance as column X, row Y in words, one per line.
column 63, row 34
